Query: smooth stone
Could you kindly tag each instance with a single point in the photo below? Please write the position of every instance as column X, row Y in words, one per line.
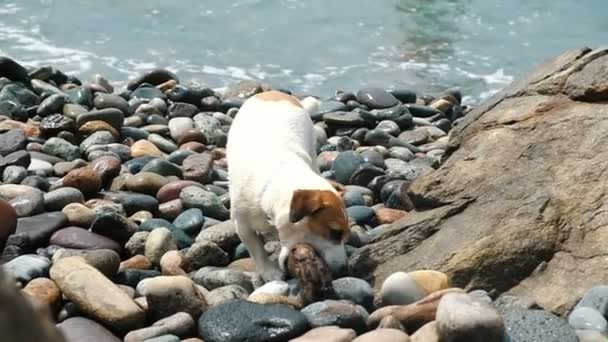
column 422, row 111
column 225, row 294
column 345, row 165
column 190, row 221
column 137, row 243
column 135, row 165
column 12, row 141
column 223, row 234
column 211, row 127
column 430, row 281
column 352, row 198
column 26, row 201
column 340, row 313
column 537, row 325
column 401, row 153
column 153, row 223
column 173, row 189
column 376, row 98
column 168, row 295
column 404, row 95
column 8, row 224
column 142, row 148
column 584, row 318
column 400, row 289
column 364, row 174
column 23, row 158
column 43, row 291
column 112, row 224
column 51, row 105
column 146, row 182
column 12, row 70
column 327, row 334
column 384, row 334
column 360, row 214
column 275, row 287
column 158, row 243
column 103, row 101
column 591, row 336
column 460, row 318
column 208, row 202
column 428, row 333
column 163, row 144
column 14, row 174
column 213, row 277
column 97, row 138
column 96, row 295
column 355, row 290
column 77, row 329
column 345, row 119
column 179, row 324
column 596, row 298
column 162, row 167
column 204, row 253
column 37, row 182
column 61, row 148
column 179, row 156
column 414, row 137
column 132, row 276
column 79, row 238
column 26, row 267
column 328, row 107
column 170, row 210
column 80, row 95
column 198, row 167
column 180, row 126
column 39, row 228
column 182, row 109
column 18, row 93
column 138, row 261
column 72, row 110
column 85, row 179
column 58, row 199
column 104, row 260
column 112, row 116
column 132, row 202
column 173, row 263
column 154, row 77
column 409, row 171
column 245, row 321
column 381, row 138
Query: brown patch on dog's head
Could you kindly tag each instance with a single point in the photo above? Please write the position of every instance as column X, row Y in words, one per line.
column 275, row 96
column 325, row 212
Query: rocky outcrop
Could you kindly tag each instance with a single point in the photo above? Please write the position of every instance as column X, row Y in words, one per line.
column 520, row 205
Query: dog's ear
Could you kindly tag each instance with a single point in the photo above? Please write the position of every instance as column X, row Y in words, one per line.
column 304, row 203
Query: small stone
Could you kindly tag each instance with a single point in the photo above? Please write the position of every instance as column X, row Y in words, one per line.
column 460, row 318
column 584, row 318
column 8, row 224
column 146, row 182
column 61, row 148
column 76, row 329
column 79, row 238
column 143, row 148
column 376, row 98
column 84, row 179
column 198, row 167
column 154, row 77
column 388, row 216
column 223, row 234
column 163, row 144
column 430, row 281
column 137, row 243
column 60, row 198
column 24, row 268
column 158, row 243
column 213, row 277
column 265, row 298
column 328, row 334
column 243, row 265
column 241, row 320
column 104, row 260
column 360, row 214
column 168, row 295
column 537, row 325
column 43, row 291
column 275, row 287
column 96, row 295
column 590, row 336
column 225, row 294
column 112, row 116
column 345, row 165
column 400, row 289
column 97, row 138
column 51, row 105
column 596, row 298
column 179, row 324
column 190, row 221
column 39, row 228
column 378, row 335
column 173, row 263
column 179, row 126
column 428, row 333
column 208, row 202
column 162, row 167
column 138, row 261
column 205, row 253
column 103, row 101
column 355, row 290
column 341, row 313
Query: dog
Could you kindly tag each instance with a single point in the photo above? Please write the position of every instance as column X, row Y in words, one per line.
column 276, row 186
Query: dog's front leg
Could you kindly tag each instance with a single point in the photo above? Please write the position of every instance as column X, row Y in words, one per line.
column 254, row 244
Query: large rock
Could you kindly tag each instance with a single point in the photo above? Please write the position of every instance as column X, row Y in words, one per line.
column 518, row 205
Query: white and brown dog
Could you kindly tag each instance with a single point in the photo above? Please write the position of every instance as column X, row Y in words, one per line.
column 275, row 183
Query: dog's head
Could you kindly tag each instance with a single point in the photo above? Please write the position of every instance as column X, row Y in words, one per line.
column 319, row 218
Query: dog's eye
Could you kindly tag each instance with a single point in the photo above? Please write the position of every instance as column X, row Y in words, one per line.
column 335, row 234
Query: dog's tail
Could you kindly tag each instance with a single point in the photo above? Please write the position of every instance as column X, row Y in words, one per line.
column 310, row 104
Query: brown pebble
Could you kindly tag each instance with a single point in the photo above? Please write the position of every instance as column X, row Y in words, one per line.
column 171, row 190
column 166, row 86
column 173, row 263
column 143, row 148
column 8, row 224
column 192, row 135
column 139, row 262
column 107, row 167
column 388, row 216
column 193, row 146
column 170, row 210
column 329, row 333
column 91, row 127
column 243, row 265
column 44, row 291
column 84, row 179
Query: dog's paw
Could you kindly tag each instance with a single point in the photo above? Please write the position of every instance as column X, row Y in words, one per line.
column 271, row 273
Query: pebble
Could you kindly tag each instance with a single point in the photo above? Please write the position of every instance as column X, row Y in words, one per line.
column 56, row 200
column 158, row 243
column 225, row 294
column 345, row 165
column 179, row 324
column 104, row 260
column 428, row 333
column 146, row 182
column 39, row 228
column 245, row 321
column 143, row 148
column 460, row 318
column 190, row 221
column 84, row 179
column 198, row 167
column 275, row 287
column 380, row 335
column 137, row 243
column 8, row 224
column 596, row 298
column 213, row 277
column 340, row 313
column 590, row 336
column 168, row 295
column 76, row 329
column 103, row 101
column 208, row 202
column 376, row 98
column 79, row 238
column 537, row 325
column 328, row 334
column 96, row 295
column 400, row 289
column 585, row 318
column 173, row 263
column 24, row 268
column 43, row 291
column 355, row 290
column 204, row 253
column 112, row 116
column 138, row 261
column 360, row 214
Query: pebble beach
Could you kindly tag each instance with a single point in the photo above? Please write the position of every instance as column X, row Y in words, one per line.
column 115, row 217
